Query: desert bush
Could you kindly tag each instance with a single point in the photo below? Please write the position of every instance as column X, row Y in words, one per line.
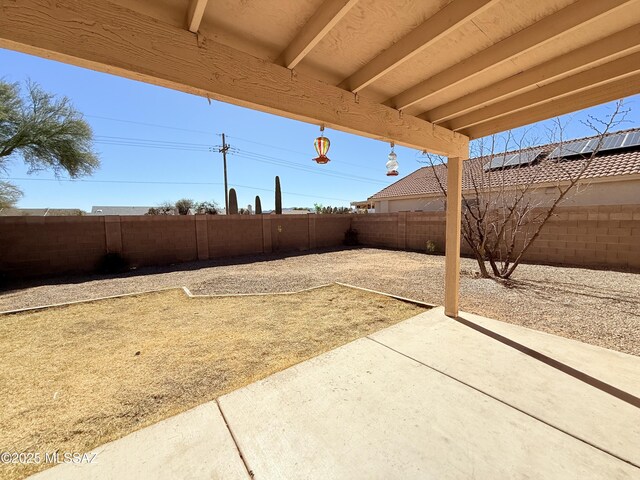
column 351, row 237
column 113, row 262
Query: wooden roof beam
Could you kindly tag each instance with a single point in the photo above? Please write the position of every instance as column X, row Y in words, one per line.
column 621, row 88
column 123, row 42
column 541, row 32
column 601, row 50
column 195, row 13
column 322, row 21
column 430, row 31
column 601, row 75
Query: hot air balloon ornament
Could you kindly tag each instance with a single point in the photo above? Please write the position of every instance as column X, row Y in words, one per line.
column 322, row 145
column 392, row 163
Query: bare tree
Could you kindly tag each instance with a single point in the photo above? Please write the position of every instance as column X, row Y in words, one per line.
column 165, row 208
column 505, row 207
column 209, row 208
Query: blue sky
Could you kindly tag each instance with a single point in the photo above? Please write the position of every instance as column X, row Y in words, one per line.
column 166, row 141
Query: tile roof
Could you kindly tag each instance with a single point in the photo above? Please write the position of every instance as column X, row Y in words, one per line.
column 40, row 212
column 118, row 210
column 424, row 181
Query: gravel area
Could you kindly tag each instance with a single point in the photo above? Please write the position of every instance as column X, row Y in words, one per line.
column 592, row 306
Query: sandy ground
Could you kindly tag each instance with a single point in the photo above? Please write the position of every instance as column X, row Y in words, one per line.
column 75, row 377
column 593, row 306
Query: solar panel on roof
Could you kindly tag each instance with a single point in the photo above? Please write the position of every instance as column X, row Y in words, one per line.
column 590, row 146
column 498, row 161
column 585, row 147
column 513, row 160
column 567, row 149
column 611, row 142
column 632, row 139
column 523, row 158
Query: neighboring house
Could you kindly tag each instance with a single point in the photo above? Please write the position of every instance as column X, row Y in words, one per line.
column 297, row 211
column 292, row 211
column 612, row 178
column 40, row 212
column 110, row 210
column 363, row 206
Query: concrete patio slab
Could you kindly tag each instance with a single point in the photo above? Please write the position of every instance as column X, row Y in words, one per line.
column 525, row 383
column 616, row 368
column 367, row 411
column 427, row 398
column 193, row 445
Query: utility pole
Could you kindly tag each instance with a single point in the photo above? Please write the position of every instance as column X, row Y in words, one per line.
column 223, row 150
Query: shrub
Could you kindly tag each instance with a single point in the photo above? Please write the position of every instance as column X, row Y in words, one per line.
column 431, row 247
column 113, row 262
column 207, row 208
column 351, row 237
column 184, row 205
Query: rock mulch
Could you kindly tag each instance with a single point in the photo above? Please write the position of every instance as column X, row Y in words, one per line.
column 592, row 306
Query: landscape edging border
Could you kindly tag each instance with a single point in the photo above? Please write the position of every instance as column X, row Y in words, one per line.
column 88, row 300
column 216, row 295
column 397, row 297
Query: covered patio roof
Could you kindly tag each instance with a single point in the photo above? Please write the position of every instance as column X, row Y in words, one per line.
column 428, row 75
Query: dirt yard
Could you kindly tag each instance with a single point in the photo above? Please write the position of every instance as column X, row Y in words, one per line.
column 593, row 306
column 78, row 376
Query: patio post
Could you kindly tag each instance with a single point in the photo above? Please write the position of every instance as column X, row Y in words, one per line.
column 452, row 247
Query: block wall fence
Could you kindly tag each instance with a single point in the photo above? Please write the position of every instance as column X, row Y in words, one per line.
column 581, row 236
column 606, row 236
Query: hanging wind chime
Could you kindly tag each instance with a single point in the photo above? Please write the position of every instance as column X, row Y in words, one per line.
column 392, row 163
column 322, row 144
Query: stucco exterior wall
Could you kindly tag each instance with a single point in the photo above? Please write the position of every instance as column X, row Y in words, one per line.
column 618, row 192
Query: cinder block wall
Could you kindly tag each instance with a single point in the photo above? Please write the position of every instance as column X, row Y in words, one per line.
column 591, row 236
column 290, row 233
column 230, row 236
column 46, row 246
column 377, row 230
column 328, row 230
column 158, row 240
column 606, row 236
column 423, row 226
column 35, row 246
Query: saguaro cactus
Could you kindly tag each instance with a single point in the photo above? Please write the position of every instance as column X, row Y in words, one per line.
column 258, row 208
column 278, row 197
column 233, row 202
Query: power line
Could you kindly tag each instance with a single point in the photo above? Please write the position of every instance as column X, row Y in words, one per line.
column 166, row 183
column 291, row 193
column 309, row 170
column 341, row 162
column 277, row 161
column 148, row 124
column 159, row 147
column 151, row 141
column 249, row 155
column 306, row 154
column 199, row 147
column 142, row 182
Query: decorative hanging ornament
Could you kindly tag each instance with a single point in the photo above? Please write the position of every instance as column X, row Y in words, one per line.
column 322, row 145
column 392, row 163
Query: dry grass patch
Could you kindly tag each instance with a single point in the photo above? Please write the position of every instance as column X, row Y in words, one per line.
column 74, row 377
